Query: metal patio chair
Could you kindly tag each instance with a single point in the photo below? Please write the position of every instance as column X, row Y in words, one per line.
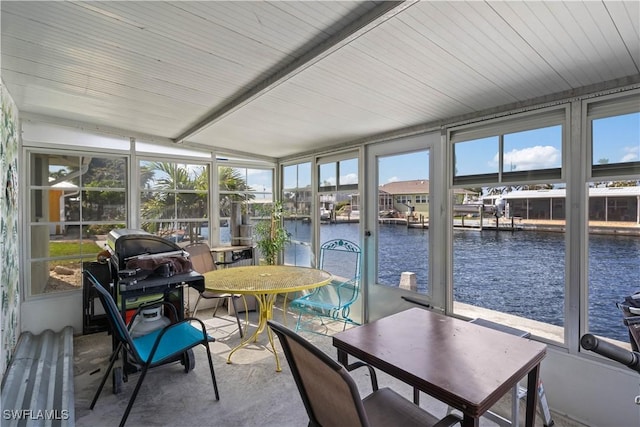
column 342, row 258
column 202, row 261
column 331, row 396
column 153, row 349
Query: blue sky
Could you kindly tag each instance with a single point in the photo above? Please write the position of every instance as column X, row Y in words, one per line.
column 403, row 167
column 615, row 138
column 528, row 150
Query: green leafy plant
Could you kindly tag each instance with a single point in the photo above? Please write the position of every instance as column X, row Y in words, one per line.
column 270, row 234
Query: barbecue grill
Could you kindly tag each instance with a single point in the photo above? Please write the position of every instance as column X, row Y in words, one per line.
column 133, row 285
column 125, row 244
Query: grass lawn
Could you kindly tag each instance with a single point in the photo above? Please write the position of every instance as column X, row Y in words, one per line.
column 74, row 247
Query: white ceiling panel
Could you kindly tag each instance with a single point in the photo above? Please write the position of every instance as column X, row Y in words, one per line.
column 625, row 20
column 280, row 78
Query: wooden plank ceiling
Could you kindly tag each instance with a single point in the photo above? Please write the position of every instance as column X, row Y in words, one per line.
column 280, row 78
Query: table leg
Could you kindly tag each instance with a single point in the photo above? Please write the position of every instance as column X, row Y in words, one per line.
column 469, row 421
column 265, row 312
column 284, row 309
column 532, row 396
column 343, row 358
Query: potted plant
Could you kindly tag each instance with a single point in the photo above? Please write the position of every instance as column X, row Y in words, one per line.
column 270, row 234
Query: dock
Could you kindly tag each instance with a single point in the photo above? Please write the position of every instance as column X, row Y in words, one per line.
column 480, row 223
column 469, row 221
column 419, row 222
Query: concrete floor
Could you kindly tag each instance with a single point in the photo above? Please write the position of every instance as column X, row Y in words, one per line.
column 252, row 393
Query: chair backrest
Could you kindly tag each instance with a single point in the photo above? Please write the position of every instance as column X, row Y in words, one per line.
column 330, row 395
column 201, row 257
column 118, row 327
column 341, row 258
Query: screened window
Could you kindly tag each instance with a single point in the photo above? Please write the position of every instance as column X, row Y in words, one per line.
column 615, row 140
column 508, row 244
column 614, row 131
column 338, row 198
column 535, row 149
column 341, row 175
column 476, row 157
column 75, row 200
column 403, row 248
column 297, row 202
column 613, row 128
column 297, row 191
column 174, row 200
column 510, row 151
column 244, row 192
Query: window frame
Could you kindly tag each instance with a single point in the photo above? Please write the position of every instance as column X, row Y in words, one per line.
column 600, row 107
column 236, row 163
column 188, row 161
column 28, row 151
column 499, row 127
column 604, row 107
column 520, row 121
column 298, row 216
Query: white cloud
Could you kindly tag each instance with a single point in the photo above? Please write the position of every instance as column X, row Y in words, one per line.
column 631, row 154
column 531, row 158
column 351, row 178
column 393, row 179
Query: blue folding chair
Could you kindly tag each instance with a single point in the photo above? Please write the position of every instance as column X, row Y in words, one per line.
column 158, row 347
column 342, row 259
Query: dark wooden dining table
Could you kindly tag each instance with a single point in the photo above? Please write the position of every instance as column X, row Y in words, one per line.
column 467, row 366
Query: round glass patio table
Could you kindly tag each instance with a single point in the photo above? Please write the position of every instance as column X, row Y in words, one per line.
column 265, row 282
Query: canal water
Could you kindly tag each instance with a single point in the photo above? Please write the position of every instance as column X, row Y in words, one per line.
column 521, row 273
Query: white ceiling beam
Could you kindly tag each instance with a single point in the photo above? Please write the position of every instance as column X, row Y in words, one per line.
column 309, row 56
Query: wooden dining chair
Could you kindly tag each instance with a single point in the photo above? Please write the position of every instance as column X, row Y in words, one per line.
column 331, row 396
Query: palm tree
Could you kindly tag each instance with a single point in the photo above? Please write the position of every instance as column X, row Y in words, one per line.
column 230, row 180
column 174, row 191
